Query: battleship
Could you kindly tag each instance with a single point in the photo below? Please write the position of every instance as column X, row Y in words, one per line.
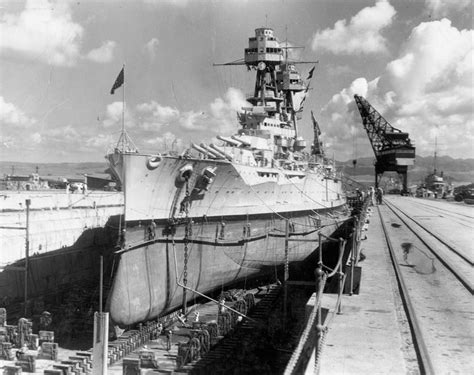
column 219, row 213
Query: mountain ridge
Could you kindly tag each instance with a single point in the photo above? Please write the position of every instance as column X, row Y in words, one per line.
column 454, row 170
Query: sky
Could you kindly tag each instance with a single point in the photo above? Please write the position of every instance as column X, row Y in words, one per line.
column 411, row 59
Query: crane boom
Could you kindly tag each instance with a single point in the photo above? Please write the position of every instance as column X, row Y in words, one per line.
column 393, row 149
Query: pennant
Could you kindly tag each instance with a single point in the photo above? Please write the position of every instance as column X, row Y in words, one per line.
column 315, row 125
column 118, row 81
column 310, row 74
column 302, row 103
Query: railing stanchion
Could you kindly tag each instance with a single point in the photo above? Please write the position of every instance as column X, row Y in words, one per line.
column 342, row 244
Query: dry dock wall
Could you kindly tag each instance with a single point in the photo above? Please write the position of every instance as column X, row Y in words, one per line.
column 56, row 220
column 67, row 235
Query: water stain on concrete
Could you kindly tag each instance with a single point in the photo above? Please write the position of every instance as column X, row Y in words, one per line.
column 418, row 259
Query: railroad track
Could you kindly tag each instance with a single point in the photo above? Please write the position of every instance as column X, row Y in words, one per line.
column 457, row 260
column 436, row 294
column 445, row 211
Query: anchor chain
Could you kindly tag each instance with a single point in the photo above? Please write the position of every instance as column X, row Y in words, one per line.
column 187, row 234
column 185, row 269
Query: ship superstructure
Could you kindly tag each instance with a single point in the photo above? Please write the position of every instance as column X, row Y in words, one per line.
column 217, row 214
column 434, row 183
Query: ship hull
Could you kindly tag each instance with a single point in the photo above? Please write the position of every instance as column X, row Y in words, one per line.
column 146, row 282
column 225, row 228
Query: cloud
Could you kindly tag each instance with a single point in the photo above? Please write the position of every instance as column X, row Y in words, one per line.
column 152, row 47
column 100, row 141
column 342, row 118
column 159, row 125
column 361, row 35
column 113, row 116
column 12, row 115
column 36, row 138
column 103, row 54
column 43, row 31
column 153, row 116
column 441, row 8
column 179, row 3
column 426, row 91
column 224, row 111
column 220, row 116
column 339, row 70
column 435, row 54
column 194, row 121
column 6, row 141
column 168, row 141
column 63, row 134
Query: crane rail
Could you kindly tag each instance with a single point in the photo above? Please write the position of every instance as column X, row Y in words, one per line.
column 436, row 296
column 445, row 211
column 421, row 349
column 464, row 279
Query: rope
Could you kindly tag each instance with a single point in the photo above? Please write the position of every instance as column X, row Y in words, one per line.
column 321, row 330
column 328, row 215
column 301, row 191
column 339, row 261
column 307, row 331
column 202, row 294
column 319, row 350
column 285, row 218
column 266, row 205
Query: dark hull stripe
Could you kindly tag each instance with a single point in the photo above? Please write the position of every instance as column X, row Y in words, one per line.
column 261, row 216
column 217, row 242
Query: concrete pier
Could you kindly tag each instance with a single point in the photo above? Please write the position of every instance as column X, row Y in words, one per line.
column 369, row 337
column 373, row 335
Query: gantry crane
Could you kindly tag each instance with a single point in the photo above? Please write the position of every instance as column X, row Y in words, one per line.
column 393, row 148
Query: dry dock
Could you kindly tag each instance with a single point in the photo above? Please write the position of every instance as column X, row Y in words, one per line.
column 412, row 311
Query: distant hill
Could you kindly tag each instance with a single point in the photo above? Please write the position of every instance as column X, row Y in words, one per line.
column 70, row 170
column 456, row 171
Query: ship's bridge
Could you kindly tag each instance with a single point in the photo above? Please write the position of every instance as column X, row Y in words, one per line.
column 263, row 47
column 288, row 78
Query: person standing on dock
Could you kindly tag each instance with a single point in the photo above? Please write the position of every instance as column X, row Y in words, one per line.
column 222, row 305
column 379, row 195
column 169, row 336
column 372, row 195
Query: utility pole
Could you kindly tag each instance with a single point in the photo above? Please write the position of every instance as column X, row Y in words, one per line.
column 27, row 250
column 286, row 271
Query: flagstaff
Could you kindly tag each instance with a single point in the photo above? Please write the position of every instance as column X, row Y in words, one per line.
column 120, row 81
column 123, row 101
